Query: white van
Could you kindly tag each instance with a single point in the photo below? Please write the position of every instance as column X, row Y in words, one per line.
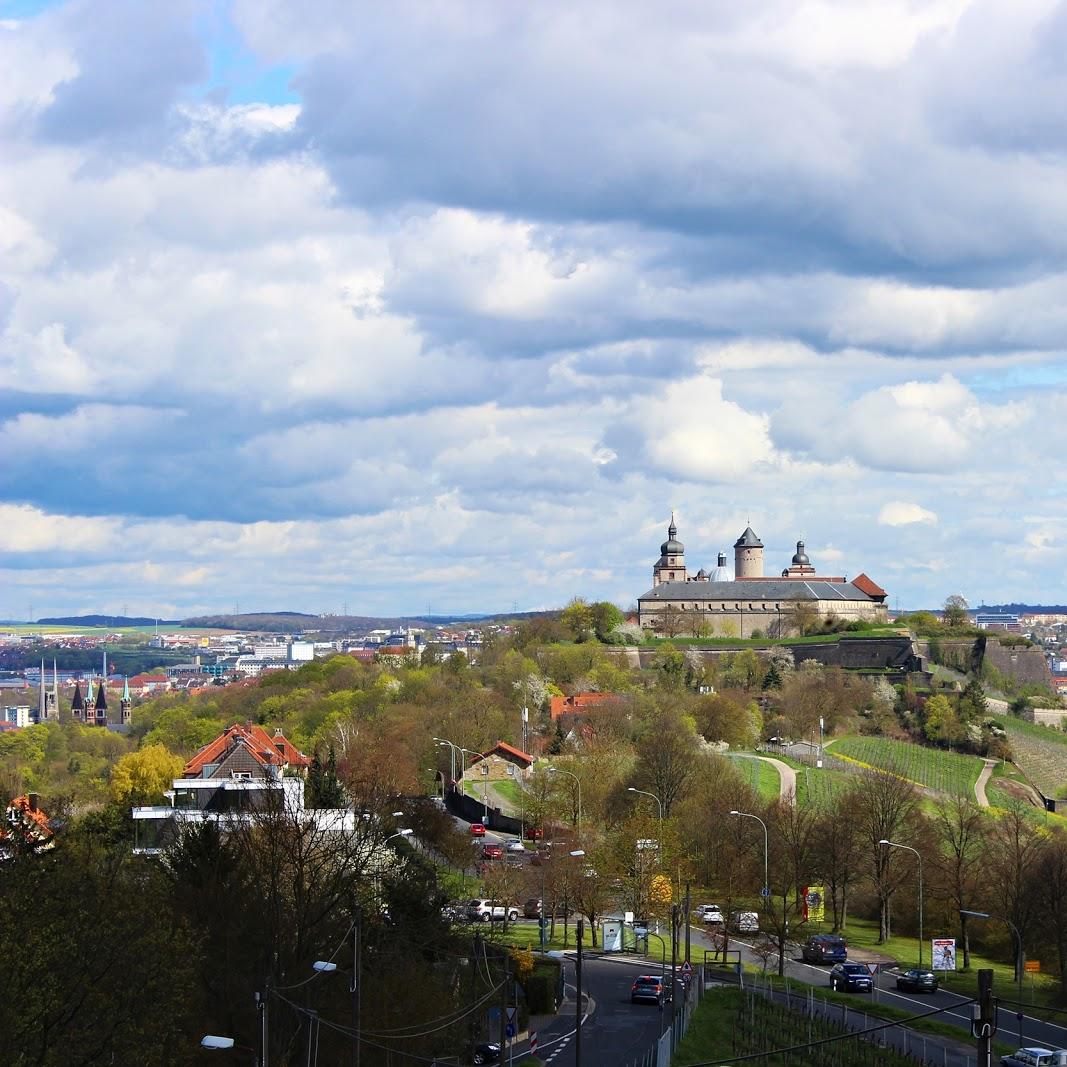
column 744, row 922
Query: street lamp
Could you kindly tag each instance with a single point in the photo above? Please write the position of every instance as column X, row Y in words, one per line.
column 399, row 833
column 561, row 770
column 646, row 793
column 893, row 844
column 1019, row 957
column 766, row 890
column 444, row 741
column 216, row 1042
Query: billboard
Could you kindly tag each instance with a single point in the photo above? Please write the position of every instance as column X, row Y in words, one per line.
column 943, row 954
column 814, row 903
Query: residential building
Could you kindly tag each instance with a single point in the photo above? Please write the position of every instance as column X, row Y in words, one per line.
column 243, row 773
column 25, row 827
column 501, row 762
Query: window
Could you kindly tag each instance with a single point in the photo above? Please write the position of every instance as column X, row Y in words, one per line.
column 485, row 768
column 511, row 768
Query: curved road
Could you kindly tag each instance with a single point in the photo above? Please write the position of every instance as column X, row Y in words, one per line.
column 787, row 777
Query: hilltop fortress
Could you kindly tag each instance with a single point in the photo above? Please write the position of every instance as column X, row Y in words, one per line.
column 746, row 603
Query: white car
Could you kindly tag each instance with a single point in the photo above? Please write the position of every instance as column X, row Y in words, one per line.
column 516, row 846
column 711, row 913
column 481, row 910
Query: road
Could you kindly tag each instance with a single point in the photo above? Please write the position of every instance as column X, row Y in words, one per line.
column 615, row 1032
column 980, row 784
column 958, row 1013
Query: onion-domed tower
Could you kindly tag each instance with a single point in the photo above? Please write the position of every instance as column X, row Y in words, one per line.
column 670, row 567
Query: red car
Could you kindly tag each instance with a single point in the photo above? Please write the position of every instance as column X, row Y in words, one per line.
column 493, row 852
column 478, row 829
column 534, row 833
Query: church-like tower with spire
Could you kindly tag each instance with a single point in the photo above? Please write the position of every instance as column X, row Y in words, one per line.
column 126, row 703
column 670, row 567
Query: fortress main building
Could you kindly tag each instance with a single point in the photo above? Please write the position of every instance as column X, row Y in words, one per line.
column 742, row 603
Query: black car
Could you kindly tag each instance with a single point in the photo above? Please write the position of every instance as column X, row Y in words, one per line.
column 916, row 981
column 825, row 948
column 487, row 1053
column 851, row 976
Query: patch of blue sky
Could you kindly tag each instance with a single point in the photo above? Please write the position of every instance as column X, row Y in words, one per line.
column 26, row 9
column 236, row 72
column 1050, row 373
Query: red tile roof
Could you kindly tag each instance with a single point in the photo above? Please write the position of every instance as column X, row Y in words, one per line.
column 509, row 750
column 866, row 585
column 30, row 814
column 276, row 750
column 569, row 705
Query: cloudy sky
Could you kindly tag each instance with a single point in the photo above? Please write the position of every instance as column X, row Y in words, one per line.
column 449, row 304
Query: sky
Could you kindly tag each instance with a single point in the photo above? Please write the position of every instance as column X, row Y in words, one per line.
column 421, row 306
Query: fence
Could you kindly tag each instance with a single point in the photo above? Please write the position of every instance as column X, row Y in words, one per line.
column 907, row 1043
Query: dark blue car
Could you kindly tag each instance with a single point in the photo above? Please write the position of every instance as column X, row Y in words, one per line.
column 851, row 977
column 825, row 948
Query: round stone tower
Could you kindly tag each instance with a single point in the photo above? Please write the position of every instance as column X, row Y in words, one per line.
column 748, row 556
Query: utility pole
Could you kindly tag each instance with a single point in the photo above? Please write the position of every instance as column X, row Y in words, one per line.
column 578, row 983
column 504, row 1007
column 688, row 912
column 984, row 1020
column 263, row 1001
column 356, row 991
column 674, row 967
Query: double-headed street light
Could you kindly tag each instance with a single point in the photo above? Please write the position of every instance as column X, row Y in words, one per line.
column 562, row 770
column 1019, row 957
column 893, row 844
column 766, row 890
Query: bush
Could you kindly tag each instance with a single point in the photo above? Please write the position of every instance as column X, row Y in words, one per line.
column 541, row 988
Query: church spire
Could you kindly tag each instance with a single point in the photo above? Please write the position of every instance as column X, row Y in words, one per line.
column 125, row 704
column 42, row 700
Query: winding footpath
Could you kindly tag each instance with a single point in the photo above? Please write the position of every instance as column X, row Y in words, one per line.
column 980, row 784
column 787, row 777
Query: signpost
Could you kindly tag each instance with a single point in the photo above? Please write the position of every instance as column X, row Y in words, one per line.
column 943, row 954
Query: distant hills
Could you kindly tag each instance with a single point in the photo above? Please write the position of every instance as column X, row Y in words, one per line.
column 104, row 620
column 288, row 622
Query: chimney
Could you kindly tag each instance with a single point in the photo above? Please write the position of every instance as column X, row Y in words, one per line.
column 32, row 799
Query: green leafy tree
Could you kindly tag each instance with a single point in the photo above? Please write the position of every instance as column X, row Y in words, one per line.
column 942, row 725
column 143, row 776
column 955, row 614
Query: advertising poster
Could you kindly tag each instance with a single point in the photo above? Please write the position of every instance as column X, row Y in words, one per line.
column 814, row 903
column 943, row 954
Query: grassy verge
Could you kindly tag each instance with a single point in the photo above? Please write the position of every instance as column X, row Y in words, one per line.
column 708, row 1036
column 759, row 774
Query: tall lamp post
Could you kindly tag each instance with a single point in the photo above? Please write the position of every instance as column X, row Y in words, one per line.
column 885, row 842
column 766, row 890
column 578, row 853
column 578, row 781
column 1019, row 957
column 659, row 806
column 441, row 742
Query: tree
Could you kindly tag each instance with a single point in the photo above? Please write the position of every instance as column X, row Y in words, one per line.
column 883, row 806
column 578, row 617
column 961, row 827
column 605, row 618
column 803, row 617
column 955, row 613
column 1051, row 885
column 972, row 705
column 1012, row 854
column 143, row 776
column 836, row 849
column 666, row 759
column 942, row 724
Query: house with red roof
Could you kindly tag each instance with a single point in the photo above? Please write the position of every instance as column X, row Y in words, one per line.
column 579, row 702
column 245, row 773
column 500, row 763
column 25, row 828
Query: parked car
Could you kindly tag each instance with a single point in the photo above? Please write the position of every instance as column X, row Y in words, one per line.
column 482, row 910
column 493, row 852
column 488, row 1052
column 1035, row 1057
column 516, row 846
column 916, row 981
column 710, row 913
column 851, row 976
column 478, row 829
column 825, row 948
column 648, row 988
column 745, row 922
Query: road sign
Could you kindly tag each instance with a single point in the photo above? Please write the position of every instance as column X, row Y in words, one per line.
column 873, row 968
column 509, row 1030
column 765, row 891
column 687, row 970
column 1032, row 966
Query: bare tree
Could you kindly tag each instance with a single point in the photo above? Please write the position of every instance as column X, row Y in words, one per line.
column 1013, row 852
column 960, row 826
column 884, row 806
column 836, row 845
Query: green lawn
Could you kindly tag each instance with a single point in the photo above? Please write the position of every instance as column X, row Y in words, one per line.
column 761, row 776
column 709, row 1033
column 944, row 772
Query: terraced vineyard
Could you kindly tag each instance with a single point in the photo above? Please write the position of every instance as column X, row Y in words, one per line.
column 1040, row 752
column 818, row 788
column 944, row 772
